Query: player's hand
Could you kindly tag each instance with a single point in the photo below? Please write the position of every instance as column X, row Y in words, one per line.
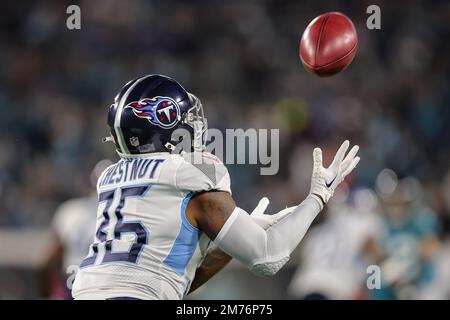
column 268, row 220
column 325, row 180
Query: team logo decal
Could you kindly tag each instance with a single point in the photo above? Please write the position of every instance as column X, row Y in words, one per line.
column 160, row 111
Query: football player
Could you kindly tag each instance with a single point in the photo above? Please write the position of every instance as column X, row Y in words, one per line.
column 166, row 221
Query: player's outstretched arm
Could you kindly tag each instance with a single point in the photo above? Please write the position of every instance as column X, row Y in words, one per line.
column 266, row 251
column 216, row 259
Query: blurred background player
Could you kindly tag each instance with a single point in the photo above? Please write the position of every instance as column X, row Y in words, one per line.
column 335, row 254
column 73, row 223
column 409, row 241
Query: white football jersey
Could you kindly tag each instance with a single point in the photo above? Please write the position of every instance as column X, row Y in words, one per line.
column 144, row 246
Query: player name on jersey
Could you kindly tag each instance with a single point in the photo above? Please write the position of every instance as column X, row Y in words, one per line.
column 129, row 170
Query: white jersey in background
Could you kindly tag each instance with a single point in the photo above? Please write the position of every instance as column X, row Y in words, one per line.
column 331, row 255
column 144, row 246
column 73, row 220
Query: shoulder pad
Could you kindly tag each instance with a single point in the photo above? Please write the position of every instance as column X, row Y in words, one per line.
column 201, row 171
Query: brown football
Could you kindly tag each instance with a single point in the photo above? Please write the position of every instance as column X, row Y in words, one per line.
column 328, row 44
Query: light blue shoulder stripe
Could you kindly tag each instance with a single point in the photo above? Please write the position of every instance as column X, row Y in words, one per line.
column 185, row 243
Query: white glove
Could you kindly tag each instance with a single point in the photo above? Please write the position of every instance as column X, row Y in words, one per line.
column 325, row 180
column 267, row 220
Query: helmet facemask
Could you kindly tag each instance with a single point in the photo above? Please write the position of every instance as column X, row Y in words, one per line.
column 195, row 118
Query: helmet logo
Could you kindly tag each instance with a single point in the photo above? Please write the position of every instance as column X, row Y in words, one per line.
column 161, row 111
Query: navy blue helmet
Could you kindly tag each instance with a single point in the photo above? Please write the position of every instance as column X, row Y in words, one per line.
column 148, row 110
